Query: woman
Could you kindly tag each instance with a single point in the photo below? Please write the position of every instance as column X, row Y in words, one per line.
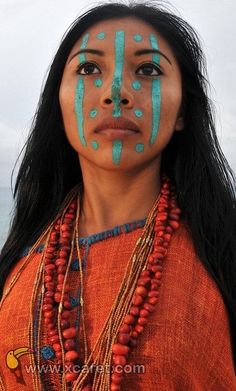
column 129, row 283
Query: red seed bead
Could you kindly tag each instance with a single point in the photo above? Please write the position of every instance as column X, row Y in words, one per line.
column 134, row 334
column 50, row 286
column 66, row 227
column 69, row 344
column 153, row 300
column 57, row 347
column 158, row 275
column 61, row 262
column 140, row 290
column 119, row 360
column 71, row 376
column 125, row 328
column 52, row 332
column 88, row 387
column 47, row 307
column 57, row 297
column 54, row 339
column 50, row 267
column 65, row 324
column 120, row 349
column 117, row 378
column 142, row 321
column 169, row 230
column 66, row 235
column 48, row 300
column 49, row 294
column 60, row 287
column 137, row 300
column 155, row 287
column 59, row 354
column 144, row 313
column 60, row 278
column 123, row 339
column 174, row 224
column 63, row 253
column 153, row 293
column 48, row 278
column 129, row 319
column 134, row 310
column 156, row 268
column 65, row 314
column 149, row 307
column 67, row 304
column 139, row 328
column 71, row 355
column 145, row 273
column 69, row 333
column 114, row 387
column 61, row 269
column 144, row 281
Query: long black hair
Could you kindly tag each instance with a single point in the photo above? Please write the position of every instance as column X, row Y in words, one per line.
column 193, row 159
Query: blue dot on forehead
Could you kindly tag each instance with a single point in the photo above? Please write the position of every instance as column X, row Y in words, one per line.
column 101, row 35
column 138, row 37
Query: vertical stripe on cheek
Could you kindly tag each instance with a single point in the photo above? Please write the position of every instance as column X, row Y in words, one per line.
column 116, row 151
column 117, row 78
column 156, row 95
column 79, row 96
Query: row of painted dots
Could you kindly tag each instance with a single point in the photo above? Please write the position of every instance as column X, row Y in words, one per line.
column 136, row 86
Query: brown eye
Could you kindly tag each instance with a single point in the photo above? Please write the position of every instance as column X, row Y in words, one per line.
column 149, row 69
column 87, row 68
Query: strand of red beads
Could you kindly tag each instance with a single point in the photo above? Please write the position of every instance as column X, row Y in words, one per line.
column 146, row 294
column 56, row 262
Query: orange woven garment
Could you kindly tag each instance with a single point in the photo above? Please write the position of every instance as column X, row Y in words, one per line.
column 184, row 347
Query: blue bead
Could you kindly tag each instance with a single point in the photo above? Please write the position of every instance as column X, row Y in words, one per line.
column 47, row 352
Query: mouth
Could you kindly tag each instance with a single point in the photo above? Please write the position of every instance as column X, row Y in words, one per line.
column 117, row 128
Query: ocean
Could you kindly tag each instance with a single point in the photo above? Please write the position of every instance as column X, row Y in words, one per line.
column 6, row 204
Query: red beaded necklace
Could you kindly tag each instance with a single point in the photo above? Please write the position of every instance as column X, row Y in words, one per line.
column 144, row 300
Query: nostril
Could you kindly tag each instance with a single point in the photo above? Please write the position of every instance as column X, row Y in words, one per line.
column 108, row 101
column 125, row 101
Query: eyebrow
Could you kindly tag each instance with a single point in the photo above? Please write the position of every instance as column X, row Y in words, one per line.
column 137, row 53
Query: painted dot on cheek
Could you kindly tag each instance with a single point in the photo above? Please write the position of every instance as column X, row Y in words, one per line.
column 136, row 85
column 139, row 147
column 101, row 35
column 95, row 145
column 138, row 113
column 93, row 113
column 98, row 83
column 138, row 37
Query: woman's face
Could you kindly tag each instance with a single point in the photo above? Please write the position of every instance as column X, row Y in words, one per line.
column 120, row 94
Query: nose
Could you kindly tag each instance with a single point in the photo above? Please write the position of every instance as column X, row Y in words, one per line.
column 117, row 95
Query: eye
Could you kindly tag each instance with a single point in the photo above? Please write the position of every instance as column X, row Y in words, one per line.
column 87, row 68
column 149, row 69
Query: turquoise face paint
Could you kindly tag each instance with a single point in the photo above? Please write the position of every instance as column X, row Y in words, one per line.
column 79, row 98
column 156, row 95
column 116, row 151
column 138, row 37
column 136, row 85
column 95, row 145
column 98, row 83
column 79, row 95
column 117, row 79
column 138, row 113
column 93, row 113
column 139, row 147
column 101, row 35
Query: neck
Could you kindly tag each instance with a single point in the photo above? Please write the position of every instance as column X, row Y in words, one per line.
column 113, row 198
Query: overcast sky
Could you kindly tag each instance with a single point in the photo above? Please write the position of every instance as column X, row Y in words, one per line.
column 30, row 32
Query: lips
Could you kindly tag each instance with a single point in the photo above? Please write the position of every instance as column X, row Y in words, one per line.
column 117, row 125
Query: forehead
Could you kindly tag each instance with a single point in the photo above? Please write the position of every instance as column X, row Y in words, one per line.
column 137, row 34
column 131, row 26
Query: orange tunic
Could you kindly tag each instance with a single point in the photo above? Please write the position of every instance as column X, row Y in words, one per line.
column 186, row 344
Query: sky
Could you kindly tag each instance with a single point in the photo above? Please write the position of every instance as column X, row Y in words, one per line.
column 30, row 33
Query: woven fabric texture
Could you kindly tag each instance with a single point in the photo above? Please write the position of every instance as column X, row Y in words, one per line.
column 186, row 344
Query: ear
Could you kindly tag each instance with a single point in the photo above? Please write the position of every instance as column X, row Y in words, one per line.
column 179, row 125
